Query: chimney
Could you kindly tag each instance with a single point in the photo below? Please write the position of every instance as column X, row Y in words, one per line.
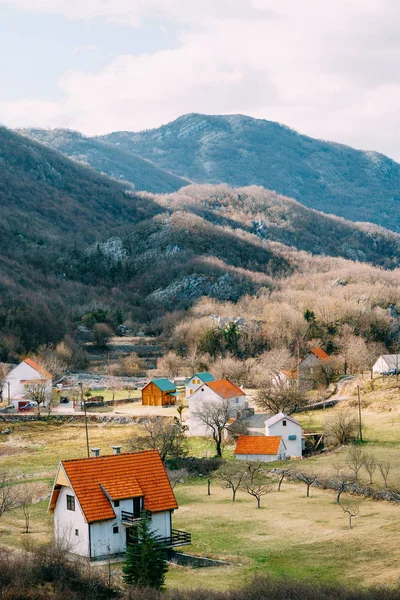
column 116, row 449
column 95, row 452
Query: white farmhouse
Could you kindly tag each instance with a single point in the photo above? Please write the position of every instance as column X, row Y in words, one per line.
column 387, row 364
column 289, row 429
column 260, row 448
column 197, row 380
column 97, row 502
column 27, row 373
column 220, row 390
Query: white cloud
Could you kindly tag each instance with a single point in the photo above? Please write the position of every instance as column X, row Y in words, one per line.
column 85, row 49
column 329, row 68
column 26, row 113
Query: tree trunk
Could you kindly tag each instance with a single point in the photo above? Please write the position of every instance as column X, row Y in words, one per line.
column 308, row 490
column 209, row 487
column 258, row 501
column 338, row 496
column 280, row 482
column 350, row 521
column 219, row 449
column 233, row 495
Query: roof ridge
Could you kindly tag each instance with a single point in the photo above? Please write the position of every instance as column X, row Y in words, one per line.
column 91, row 458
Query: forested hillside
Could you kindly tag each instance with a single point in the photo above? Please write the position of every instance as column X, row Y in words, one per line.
column 241, row 151
column 108, row 159
column 78, row 248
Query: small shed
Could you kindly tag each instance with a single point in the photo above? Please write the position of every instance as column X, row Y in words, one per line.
column 260, row 448
column 159, row 392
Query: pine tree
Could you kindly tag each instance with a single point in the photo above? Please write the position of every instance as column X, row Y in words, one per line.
column 145, row 563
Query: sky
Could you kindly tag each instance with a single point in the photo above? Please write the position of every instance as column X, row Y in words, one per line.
column 328, row 68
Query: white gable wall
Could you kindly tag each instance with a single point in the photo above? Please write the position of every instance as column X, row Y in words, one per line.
column 192, row 386
column 66, row 521
column 293, row 447
column 384, row 365
column 203, row 395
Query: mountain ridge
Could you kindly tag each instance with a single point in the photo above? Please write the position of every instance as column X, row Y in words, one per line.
column 240, row 150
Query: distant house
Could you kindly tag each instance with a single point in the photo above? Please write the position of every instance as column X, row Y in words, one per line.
column 159, row 392
column 196, row 381
column 18, row 380
column 311, row 368
column 260, row 448
column 97, row 502
column 387, row 364
column 289, row 429
column 219, row 390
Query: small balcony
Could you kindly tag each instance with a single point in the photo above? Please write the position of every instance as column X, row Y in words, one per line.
column 130, row 518
column 177, row 538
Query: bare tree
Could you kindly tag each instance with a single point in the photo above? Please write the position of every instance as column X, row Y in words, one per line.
column 384, row 467
column 279, row 395
column 179, row 409
column 176, row 476
column 4, row 369
column 26, row 504
column 370, row 464
column 257, row 486
column 352, row 510
column 38, row 391
column 231, row 476
column 343, row 482
column 9, row 494
column 355, row 460
column 168, row 437
column 283, row 473
column 308, row 479
column 215, row 416
column 341, row 428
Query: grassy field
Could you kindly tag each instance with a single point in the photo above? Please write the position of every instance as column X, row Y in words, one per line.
column 290, row 535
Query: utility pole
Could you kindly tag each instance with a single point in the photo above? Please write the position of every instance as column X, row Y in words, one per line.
column 359, row 412
column 86, row 423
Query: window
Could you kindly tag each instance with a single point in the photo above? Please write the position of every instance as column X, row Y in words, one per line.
column 116, row 503
column 198, row 381
column 70, row 502
column 191, row 391
column 76, row 531
column 284, row 423
column 194, row 381
column 115, row 529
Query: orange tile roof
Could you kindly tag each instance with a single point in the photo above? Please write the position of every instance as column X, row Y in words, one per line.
column 225, row 388
column 321, row 354
column 122, row 489
column 38, row 368
column 291, row 374
column 258, row 444
column 141, row 473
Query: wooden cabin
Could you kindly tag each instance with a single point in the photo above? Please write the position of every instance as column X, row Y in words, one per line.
column 159, row 392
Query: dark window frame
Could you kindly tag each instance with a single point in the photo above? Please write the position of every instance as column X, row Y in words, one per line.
column 70, row 502
column 115, row 529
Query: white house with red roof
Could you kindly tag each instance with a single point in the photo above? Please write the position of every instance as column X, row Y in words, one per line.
column 310, row 369
column 27, row 373
column 218, row 391
column 260, row 448
column 289, row 429
column 97, row 502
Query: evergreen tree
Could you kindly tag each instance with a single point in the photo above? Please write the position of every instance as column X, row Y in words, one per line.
column 145, row 563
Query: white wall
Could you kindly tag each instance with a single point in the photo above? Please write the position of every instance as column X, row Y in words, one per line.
column 202, row 396
column 66, row 521
column 192, row 386
column 104, row 541
column 293, row 447
column 161, row 523
column 380, row 366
